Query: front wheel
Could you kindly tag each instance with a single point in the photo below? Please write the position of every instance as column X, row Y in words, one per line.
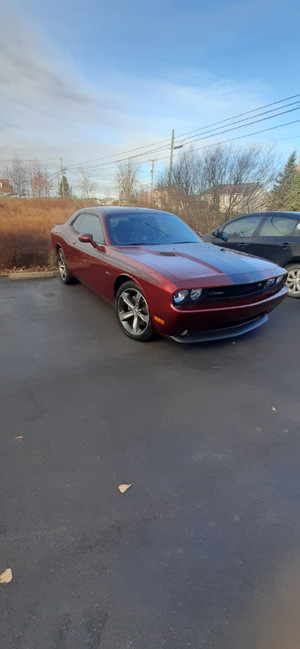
column 64, row 272
column 133, row 312
column 293, row 280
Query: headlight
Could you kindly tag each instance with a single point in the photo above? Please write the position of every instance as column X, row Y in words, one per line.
column 180, row 296
column 279, row 279
column 271, row 281
column 195, row 293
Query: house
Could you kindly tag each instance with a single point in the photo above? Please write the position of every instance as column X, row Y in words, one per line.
column 242, row 197
column 5, row 188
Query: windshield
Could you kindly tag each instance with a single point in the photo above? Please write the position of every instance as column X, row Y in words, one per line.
column 151, row 229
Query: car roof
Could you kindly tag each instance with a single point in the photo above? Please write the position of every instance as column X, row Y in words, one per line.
column 117, row 209
column 269, row 213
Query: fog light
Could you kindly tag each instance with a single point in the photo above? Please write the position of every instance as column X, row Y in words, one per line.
column 195, row 293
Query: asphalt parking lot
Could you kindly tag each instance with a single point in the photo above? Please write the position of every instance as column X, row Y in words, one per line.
column 203, row 550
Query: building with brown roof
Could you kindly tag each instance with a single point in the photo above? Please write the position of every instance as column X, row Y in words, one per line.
column 5, row 188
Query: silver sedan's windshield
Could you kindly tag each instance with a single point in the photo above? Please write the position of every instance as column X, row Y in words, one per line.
column 151, row 229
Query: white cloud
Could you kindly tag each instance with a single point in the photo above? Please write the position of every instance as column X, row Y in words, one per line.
column 49, row 110
column 42, row 95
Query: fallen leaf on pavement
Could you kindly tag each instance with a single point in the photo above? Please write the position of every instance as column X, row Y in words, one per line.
column 19, row 437
column 274, row 409
column 123, row 487
column 6, row 576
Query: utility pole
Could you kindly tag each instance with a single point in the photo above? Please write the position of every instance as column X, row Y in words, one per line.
column 151, row 185
column 62, row 179
column 171, row 158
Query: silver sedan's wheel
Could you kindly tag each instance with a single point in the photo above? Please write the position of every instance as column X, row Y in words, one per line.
column 64, row 272
column 293, row 280
column 133, row 312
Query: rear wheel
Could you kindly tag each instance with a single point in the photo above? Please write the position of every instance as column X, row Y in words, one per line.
column 133, row 312
column 65, row 275
column 293, row 280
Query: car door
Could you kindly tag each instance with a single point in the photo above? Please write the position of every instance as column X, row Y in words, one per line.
column 277, row 238
column 93, row 262
column 241, row 232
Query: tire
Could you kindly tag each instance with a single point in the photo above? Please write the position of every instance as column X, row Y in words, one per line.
column 133, row 313
column 293, row 280
column 64, row 273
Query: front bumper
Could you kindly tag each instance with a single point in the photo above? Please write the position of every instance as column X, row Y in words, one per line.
column 218, row 321
column 221, row 334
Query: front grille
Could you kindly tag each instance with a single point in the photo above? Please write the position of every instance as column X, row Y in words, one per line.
column 235, row 291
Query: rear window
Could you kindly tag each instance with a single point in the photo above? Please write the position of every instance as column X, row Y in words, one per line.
column 279, row 226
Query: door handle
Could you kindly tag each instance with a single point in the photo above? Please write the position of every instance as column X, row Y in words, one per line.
column 285, row 245
column 241, row 245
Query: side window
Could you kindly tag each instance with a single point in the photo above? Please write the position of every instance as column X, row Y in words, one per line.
column 278, row 226
column 90, row 224
column 242, row 227
column 76, row 223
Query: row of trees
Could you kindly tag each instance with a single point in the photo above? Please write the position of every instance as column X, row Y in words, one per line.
column 27, row 178
column 32, row 179
column 210, row 186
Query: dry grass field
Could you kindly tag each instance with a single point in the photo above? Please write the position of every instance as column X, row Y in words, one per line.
column 25, row 226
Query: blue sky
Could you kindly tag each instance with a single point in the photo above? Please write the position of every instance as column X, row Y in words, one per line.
column 86, row 80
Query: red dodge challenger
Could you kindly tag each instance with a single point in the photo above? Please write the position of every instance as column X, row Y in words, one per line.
column 162, row 278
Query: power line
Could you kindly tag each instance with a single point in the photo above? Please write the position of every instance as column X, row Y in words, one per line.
column 254, row 110
column 211, row 130
column 240, row 137
column 166, row 143
column 246, row 120
column 214, row 144
column 234, row 128
column 205, row 137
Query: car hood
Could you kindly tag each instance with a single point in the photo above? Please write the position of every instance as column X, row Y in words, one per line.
column 191, row 261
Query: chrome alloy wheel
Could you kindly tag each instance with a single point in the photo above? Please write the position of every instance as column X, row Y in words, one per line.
column 293, row 281
column 65, row 275
column 133, row 312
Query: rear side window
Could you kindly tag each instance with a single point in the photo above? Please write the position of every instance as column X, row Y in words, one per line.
column 242, row 227
column 279, row 226
column 76, row 223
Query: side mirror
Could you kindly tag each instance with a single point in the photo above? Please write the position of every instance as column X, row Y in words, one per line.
column 223, row 236
column 220, row 234
column 86, row 238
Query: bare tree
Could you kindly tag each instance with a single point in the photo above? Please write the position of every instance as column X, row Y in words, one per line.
column 212, row 186
column 17, row 174
column 127, row 178
column 39, row 180
column 87, row 187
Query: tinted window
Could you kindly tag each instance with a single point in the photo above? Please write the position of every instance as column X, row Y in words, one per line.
column 76, row 223
column 278, row 226
column 148, row 229
column 89, row 224
column 242, row 227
